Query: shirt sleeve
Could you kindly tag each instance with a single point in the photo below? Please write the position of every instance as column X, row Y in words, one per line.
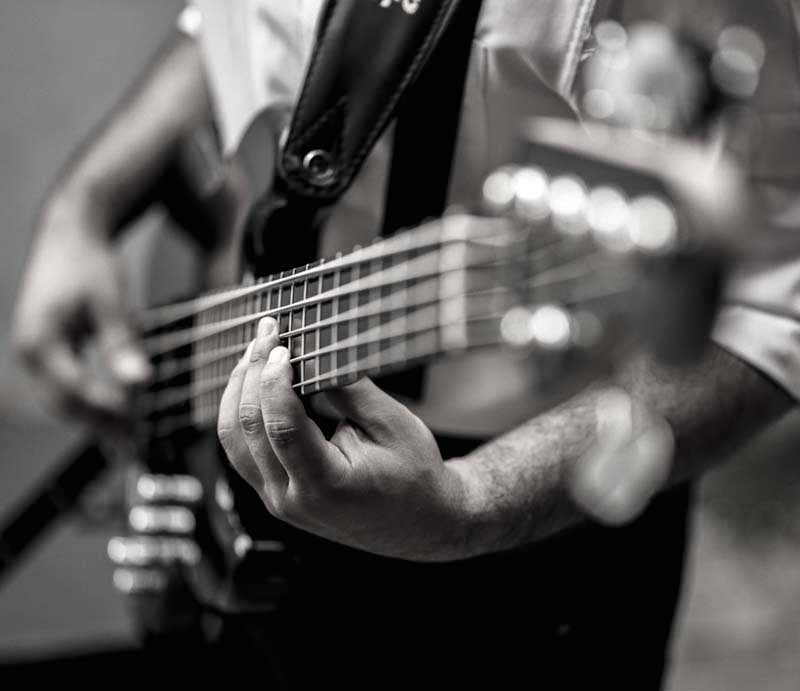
column 760, row 320
column 255, row 54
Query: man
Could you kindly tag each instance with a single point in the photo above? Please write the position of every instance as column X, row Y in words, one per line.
column 476, row 583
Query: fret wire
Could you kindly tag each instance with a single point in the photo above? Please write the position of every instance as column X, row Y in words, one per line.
column 318, row 313
column 420, row 349
column 196, row 410
column 214, row 367
column 337, row 278
column 352, row 354
column 434, row 349
column 376, row 294
column 181, row 338
column 290, row 342
column 429, row 236
column 404, row 300
column 421, row 295
column 477, row 307
column 303, row 325
column 304, row 364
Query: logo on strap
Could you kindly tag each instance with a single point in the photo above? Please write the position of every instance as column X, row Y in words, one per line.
column 409, row 6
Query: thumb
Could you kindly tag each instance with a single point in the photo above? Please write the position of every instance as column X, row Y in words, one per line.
column 373, row 410
column 121, row 349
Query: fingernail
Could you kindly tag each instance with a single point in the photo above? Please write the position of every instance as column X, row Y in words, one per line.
column 131, row 366
column 266, row 327
column 278, row 356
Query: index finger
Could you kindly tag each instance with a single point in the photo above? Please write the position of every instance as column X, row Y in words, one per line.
column 296, row 440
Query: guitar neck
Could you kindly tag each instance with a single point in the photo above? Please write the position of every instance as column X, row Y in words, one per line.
column 377, row 310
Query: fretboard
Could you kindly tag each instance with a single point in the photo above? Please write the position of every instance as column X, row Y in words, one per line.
column 378, row 310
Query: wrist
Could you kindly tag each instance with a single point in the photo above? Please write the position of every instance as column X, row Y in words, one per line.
column 70, row 213
column 472, row 512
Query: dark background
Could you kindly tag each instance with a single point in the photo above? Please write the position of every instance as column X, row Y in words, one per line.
column 63, row 63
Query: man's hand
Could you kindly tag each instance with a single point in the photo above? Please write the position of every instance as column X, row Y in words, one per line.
column 628, row 464
column 71, row 296
column 379, row 484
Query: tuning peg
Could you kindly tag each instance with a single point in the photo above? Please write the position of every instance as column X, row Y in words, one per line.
column 531, row 194
column 653, row 226
column 737, row 61
column 609, row 216
column 499, row 190
column 548, row 327
column 568, row 203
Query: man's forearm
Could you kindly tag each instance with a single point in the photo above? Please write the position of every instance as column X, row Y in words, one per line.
column 115, row 173
column 519, row 479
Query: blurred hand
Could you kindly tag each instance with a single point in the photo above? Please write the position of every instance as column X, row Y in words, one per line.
column 379, row 484
column 629, row 463
column 71, row 302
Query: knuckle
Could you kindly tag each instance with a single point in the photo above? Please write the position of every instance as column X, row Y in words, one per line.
column 271, row 377
column 281, row 431
column 251, row 419
column 225, row 434
column 284, row 508
column 26, row 348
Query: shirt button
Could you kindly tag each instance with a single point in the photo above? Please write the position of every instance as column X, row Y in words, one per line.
column 319, row 168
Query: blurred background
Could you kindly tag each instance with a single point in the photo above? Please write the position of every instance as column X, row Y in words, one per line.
column 62, row 65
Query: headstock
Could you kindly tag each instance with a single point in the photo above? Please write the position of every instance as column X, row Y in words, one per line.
column 667, row 110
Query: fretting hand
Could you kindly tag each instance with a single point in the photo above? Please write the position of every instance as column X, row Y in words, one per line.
column 379, row 484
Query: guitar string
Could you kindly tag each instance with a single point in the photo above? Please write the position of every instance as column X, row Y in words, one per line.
column 432, row 236
column 338, row 372
column 376, row 336
column 201, row 387
column 170, row 369
column 168, row 424
column 166, row 343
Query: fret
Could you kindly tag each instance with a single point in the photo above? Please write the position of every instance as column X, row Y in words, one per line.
column 196, row 409
column 344, row 304
column 211, row 399
column 284, row 299
column 361, row 323
column 398, row 300
column 262, row 301
column 310, row 337
column 252, row 308
column 335, row 311
column 317, row 332
column 379, row 309
column 376, row 321
column 326, row 363
column 301, row 371
column 292, row 342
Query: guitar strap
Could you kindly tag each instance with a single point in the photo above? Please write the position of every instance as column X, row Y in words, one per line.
column 372, row 61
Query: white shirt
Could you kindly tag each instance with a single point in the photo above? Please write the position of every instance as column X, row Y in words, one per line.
column 525, row 57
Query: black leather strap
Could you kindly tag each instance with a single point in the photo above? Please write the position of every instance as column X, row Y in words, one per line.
column 367, row 55
column 427, row 128
column 424, row 146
